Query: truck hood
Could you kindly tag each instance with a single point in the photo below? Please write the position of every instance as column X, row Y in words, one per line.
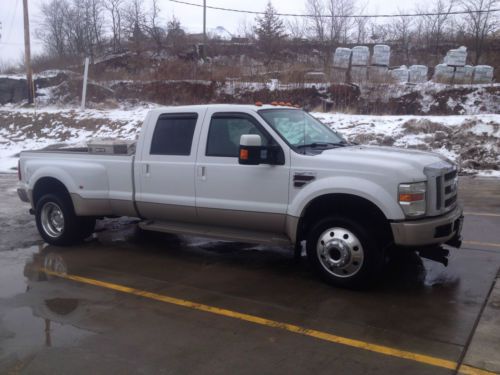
column 409, row 164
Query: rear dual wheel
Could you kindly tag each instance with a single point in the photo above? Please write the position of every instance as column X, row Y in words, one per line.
column 57, row 223
column 344, row 252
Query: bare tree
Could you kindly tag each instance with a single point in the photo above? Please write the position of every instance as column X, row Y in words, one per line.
column 135, row 17
column 360, row 25
column 434, row 26
column 95, row 22
column 402, row 30
column 155, row 32
column 361, row 29
column 296, row 27
column 246, row 28
column 115, row 9
column 52, row 26
column 480, row 22
column 329, row 23
column 339, row 22
column 317, row 24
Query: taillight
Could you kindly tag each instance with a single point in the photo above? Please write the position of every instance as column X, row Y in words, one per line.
column 19, row 170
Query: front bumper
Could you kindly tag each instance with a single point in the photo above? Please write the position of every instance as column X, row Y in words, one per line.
column 432, row 231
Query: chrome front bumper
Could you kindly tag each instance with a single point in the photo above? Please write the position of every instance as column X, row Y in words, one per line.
column 432, row 231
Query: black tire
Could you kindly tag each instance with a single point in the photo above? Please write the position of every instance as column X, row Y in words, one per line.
column 363, row 265
column 74, row 229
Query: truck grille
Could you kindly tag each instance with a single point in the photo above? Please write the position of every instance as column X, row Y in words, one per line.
column 443, row 187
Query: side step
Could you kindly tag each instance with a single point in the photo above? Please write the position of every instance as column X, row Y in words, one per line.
column 222, row 233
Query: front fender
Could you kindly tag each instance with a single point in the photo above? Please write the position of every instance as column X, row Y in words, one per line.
column 360, row 187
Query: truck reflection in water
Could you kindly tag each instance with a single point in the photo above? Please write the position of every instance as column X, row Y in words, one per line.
column 51, row 304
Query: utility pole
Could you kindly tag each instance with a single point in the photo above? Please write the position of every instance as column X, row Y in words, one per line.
column 205, row 22
column 204, row 29
column 27, row 53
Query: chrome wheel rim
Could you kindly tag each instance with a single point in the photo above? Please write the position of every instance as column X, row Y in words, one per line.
column 340, row 252
column 52, row 219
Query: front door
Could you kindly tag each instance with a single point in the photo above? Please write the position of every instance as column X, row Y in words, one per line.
column 253, row 197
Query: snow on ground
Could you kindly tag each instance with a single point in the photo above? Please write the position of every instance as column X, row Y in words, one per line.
column 472, row 140
column 23, row 129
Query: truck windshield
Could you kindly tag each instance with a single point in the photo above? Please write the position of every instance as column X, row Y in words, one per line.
column 302, row 131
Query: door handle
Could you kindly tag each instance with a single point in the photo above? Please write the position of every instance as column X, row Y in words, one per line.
column 202, row 172
column 147, row 169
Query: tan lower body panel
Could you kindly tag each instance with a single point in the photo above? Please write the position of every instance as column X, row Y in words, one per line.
column 158, row 211
column 260, row 221
column 102, row 207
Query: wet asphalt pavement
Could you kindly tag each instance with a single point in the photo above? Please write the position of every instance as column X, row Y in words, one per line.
column 50, row 325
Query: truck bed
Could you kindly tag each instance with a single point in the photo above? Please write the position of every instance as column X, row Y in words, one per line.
column 108, row 146
column 105, row 181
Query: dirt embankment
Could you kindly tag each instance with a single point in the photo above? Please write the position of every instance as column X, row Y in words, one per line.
column 64, row 88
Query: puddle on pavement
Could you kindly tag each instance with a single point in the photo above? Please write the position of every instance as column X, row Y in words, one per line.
column 12, row 263
column 32, row 316
column 25, row 330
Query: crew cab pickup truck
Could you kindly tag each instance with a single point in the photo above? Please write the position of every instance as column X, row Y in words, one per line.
column 266, row 174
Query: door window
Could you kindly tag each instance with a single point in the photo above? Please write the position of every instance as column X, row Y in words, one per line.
column 225, row 133
column 173, row 134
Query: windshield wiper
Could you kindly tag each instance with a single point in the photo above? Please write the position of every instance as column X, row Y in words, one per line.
column 323, row 145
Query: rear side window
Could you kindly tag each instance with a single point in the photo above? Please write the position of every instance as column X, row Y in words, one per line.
column 173, row 134
column 225, row 133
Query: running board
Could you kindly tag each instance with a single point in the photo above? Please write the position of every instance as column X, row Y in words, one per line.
column 222, row 233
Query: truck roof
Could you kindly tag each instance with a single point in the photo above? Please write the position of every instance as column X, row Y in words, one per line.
column 221, row 107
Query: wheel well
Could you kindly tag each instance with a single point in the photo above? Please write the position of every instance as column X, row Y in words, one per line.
column 351, row 206
column 49, row 185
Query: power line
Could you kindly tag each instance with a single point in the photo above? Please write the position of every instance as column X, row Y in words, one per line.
column 340, row 15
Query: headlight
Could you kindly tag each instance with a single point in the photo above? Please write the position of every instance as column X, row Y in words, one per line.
column 412, row 198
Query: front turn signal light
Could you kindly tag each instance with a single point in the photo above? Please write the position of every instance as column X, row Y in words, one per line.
column 412, row 198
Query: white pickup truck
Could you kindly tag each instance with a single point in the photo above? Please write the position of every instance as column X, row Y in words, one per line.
column 266, row 174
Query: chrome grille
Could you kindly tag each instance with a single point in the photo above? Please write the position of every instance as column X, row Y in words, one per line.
column 442, row 180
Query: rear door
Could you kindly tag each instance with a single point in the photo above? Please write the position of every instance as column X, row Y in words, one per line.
column 166, row 167
column 242, row 196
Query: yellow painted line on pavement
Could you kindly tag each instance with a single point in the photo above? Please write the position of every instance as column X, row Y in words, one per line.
column 359, row 344
column 481, row 214
column 479, row 243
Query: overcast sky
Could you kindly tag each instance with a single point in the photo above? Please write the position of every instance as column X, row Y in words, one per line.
column 12, row 42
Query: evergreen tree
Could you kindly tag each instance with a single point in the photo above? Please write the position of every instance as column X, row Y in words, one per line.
column 270, row 31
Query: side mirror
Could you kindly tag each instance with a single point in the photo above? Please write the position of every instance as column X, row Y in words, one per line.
column 250, row 148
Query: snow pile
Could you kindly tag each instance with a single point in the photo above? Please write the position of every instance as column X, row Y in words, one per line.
column 472, row 141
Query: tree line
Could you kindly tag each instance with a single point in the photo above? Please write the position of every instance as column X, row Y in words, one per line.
column 92, row 27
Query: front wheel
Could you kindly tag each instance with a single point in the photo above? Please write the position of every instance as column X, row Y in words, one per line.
column 343, row 252
column 57, row 223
